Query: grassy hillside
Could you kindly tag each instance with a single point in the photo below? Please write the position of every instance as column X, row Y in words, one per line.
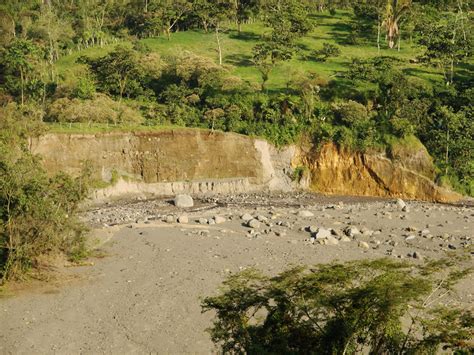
column 237, row 50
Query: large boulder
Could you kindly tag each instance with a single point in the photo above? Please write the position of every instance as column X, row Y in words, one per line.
column 183, row 201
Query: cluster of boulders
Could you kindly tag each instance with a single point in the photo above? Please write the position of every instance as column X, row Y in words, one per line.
column 317, row 224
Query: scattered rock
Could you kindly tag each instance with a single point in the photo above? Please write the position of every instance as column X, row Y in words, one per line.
column 401, row 204
column 323, row 233
column 305, row 214
column 219, row 219
column 351, row 231
column 183, row 201
column 253, row 223
column 364, row 245
column 345, row 239
column 246, row 217
column 169, row 219
column 202, row 221
column 410, row 237
column 183, row 219
column 331, row 240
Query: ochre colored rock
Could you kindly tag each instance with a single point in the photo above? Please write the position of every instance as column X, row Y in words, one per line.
column 336, row 170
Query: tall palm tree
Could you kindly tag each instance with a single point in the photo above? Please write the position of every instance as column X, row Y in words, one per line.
column 393, row 12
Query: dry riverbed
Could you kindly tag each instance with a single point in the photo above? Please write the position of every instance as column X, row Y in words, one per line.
column 157, row 261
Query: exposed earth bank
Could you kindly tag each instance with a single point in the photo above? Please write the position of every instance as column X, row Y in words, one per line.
column 157, row 261
column 199, row 161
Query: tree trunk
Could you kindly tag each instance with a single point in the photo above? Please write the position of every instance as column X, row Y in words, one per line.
column 239, row 27
column 378, row 35
column 22, row 84
column 447, row 150
column 391, row 36
column 219, row 47
column 451, row 73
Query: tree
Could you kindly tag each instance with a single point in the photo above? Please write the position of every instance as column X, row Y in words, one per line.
column 54, row 33
column 244, row 10
column 19, row 60
column 219, row 11
column 289, row 21
column 203, row 10
column 36, row 211
column 351, row 308
column 169, row 12
column 117, row 73
column 328, row 50
column 446, row 43
column 394, row 11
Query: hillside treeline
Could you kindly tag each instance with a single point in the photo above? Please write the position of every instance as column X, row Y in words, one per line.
column 374, row 101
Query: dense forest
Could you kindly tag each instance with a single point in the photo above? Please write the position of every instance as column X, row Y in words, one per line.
column 364, row 74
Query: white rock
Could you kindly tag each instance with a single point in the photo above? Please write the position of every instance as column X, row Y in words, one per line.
column 401, row 204
column 345, row 239
column 323, row 233
column 253, row 223
column 219, row 219
column 351, row 231
column 364, row 245
column 305, row 213
column 246, row 217
column 183, row 219
column 183, row 201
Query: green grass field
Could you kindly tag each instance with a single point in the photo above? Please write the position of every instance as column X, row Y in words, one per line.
column 237, row 52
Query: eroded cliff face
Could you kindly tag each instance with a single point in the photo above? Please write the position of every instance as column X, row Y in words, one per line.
column 336, row 170
column 167, row 162
column 152, row 157
column 198, row 161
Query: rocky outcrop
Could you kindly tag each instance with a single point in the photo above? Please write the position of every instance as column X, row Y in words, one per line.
column 336, row 170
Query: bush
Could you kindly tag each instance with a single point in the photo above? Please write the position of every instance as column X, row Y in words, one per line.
column 85, row 88
column 36, row 211
column 328, row 50
column 356, row 307
column 350, row 112
column 100, row 109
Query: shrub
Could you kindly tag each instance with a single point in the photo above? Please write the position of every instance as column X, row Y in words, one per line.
column 350, row 112
column 328, row 50
column 36, row 210
column 356, row 307
column 85, row 88
column 100, row 109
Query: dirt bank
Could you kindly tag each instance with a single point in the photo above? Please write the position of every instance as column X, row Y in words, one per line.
column 167, row 162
